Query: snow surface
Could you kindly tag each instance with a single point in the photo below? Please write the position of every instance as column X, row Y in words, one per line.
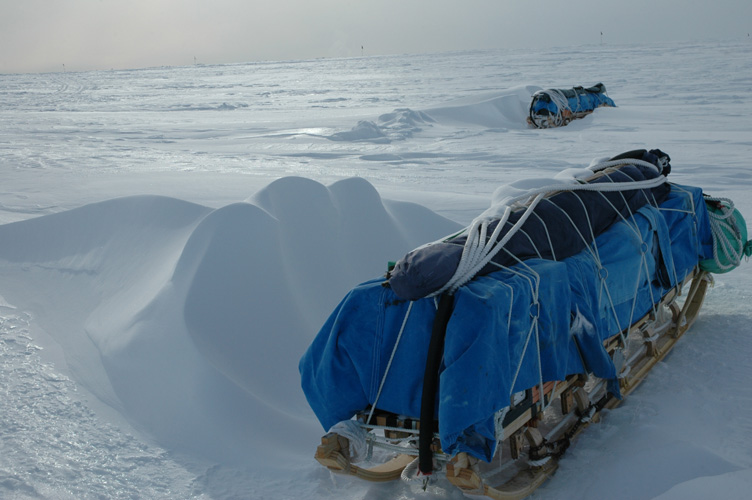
column 171, row 239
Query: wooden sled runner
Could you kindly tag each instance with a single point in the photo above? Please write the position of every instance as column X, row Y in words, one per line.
column 334, row 454
column 542, row 428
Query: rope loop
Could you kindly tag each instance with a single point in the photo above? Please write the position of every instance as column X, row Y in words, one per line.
column 728, row 244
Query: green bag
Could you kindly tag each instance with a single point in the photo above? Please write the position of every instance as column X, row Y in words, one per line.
column 729, row 237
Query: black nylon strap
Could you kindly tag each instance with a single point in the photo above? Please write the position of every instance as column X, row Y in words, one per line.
column 431, row 382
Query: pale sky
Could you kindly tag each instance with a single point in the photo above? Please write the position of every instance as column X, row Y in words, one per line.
column 44, row 35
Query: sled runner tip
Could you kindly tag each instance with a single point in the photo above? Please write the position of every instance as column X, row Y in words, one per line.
column 334, row 454
column 521, row 485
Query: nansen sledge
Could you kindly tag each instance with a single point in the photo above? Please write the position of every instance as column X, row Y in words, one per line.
column 511, row 337
column 558, row 107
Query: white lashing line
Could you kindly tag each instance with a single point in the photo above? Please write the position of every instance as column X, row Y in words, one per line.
column 560, row 99
column 534, row 283
column 479, row 250
column 693, row 211
column 483, row 254
column 391, row 358
column 720, row 225
column 561, row 102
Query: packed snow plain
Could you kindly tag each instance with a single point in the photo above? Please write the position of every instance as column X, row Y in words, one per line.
column 171, row 239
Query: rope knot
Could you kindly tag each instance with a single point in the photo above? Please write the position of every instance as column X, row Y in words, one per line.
column 603, row 273
column 535, row 310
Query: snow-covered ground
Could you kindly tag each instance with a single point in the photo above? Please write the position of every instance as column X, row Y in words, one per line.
column 171, row 239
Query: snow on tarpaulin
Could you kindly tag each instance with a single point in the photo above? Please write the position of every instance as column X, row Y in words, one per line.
column 485, row 359
column 557, row 107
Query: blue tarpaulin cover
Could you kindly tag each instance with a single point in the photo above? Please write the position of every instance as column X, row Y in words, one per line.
column 562, row 311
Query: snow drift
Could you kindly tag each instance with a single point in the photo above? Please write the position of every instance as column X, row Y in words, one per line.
column 191, row 320
column 505, row 109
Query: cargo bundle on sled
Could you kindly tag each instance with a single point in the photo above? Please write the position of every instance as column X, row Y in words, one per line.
column 558, row 107
column 509, row 338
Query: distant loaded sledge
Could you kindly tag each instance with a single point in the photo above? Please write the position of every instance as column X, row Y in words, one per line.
column 558, row 107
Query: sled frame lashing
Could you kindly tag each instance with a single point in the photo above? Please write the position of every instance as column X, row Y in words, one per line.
column 536, row 431
column 553, row 120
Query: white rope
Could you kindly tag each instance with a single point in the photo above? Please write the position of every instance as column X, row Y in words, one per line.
column 604, row 286
column 562, row 104
column 571, row 221
column 480, row 250
column 676, row 188
column 636, row 294
column 722, row 225
column 643, row 257
column 559, row 99
column 389, row 364
column 548, row 236
column 410, row 472
column 536, row 326
column 533, row 326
